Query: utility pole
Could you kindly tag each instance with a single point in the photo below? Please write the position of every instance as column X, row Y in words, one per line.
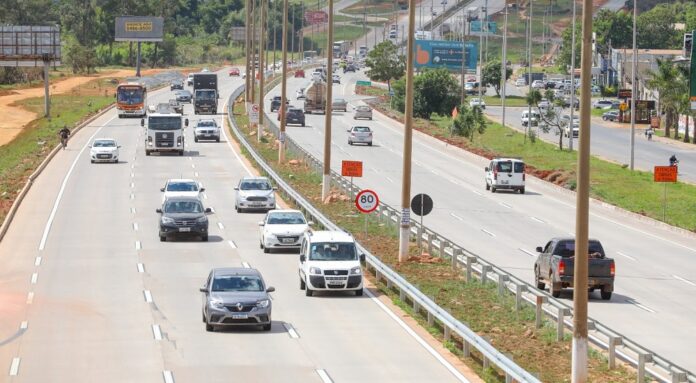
column 463, row 91
column 292, row 39
column 405, row 227
column 275, row 47
column 262, row 69
column 504, row 62
column 247, row 48
column 480, row 56
column 529, row 75
column 284, row 86
column 634, row 80
column 485, row 25
column 254, row 26
column 572, row 80
column 579, row 346
column 326, row 176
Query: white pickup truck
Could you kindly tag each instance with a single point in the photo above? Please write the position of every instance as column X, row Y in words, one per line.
column 329, row 261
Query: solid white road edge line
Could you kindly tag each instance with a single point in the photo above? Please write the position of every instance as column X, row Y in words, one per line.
column 324, row 376
column 168, row 376
column 626, row 256
column 232, row 244
column 221, row 226
column 537, row 219
column 457, row 217
column 503, row 204
column 135, row 226
column 418, row 339
column 52, row 216
column 684, row 280
column 488, row 232
column 156, row 332
column 527, row 252
column 138, row 245
column 246, row 265
column 14, row 367
column 640, row 306
column 291, row 330
column 229, row 144
column 148, row 296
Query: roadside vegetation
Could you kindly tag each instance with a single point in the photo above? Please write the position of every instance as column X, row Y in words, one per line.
column 479, row 306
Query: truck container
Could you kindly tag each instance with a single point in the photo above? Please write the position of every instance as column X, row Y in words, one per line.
column 205, row 93
column 315, row 98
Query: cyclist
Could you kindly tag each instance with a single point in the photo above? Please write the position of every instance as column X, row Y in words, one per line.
column 673, row 161
column 64, row 134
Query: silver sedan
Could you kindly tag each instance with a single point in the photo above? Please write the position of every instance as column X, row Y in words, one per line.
column 339, row 104
column 360, row 135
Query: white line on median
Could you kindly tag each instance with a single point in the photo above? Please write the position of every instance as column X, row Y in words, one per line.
column 625, row 256
column 488, row 232
column 476, row 192
column 138, row 245
column 132, row 185
column 195, row 174
column 156, row 332
column 246, row 265
column 418, row 339
column 168, row 376
column 37, row 262
column 503, row 204
column 30, row 297
column 324, row 376
column 52, row 216
column 527, row 252
column 34, row 278
column 193, row 166
column 148, row 296
column 537, row 219
column 132, row 196
column 132, row 174
column 135, row 226
column 684, row 280
column 389, row 179
column 141, row 268
column 14, row 367
column 24, row 325
column 220, row 225
column 456, row 216
column 232, row 244
column 640, row 306
column 132, row 210
column 291, row 331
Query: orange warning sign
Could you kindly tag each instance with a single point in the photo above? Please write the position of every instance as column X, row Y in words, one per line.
column 665, row 174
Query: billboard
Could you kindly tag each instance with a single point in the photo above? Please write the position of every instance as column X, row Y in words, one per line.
column 445, row 54
column 476, row 25
column 239, row 34
column 25, row 45
column 316, row 17
column 139, row 28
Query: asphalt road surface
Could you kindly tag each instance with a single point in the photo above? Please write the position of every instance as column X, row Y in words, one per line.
column 656, row 266
column 89, row 294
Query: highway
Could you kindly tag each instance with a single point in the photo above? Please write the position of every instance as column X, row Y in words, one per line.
column 89, row 294
column 656, row 266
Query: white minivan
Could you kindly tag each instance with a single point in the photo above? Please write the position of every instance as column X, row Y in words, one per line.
column 505, row 173
column 329, row 261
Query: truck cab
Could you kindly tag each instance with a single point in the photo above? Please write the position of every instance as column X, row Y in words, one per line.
column 329, row 261
column 164, row 132
column 205, row 93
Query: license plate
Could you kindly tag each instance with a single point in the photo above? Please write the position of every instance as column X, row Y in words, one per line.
column 256, row 204
column 184, row 229
column 240, row 316
column 288, row 240
column 335, row 282
column 504, row 182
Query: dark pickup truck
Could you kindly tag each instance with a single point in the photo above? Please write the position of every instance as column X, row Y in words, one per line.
column 556, row 262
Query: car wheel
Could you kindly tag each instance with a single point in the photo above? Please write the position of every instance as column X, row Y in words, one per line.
column 217, row 139
column 369, row 144
column 370, row 118
column 204, row 238
column 260, row 245
column 267, row 327
column 488, row 187
column 493, row 189
column 302, row 284
column 604, row 118
column 606, row 295
column 92, row 161
column 237, row 209
column 203, row 316
column 163, row 238
column 522, row 190
column 350, row 142
column 359, row 293
column 195, row 139
column 555, row 289
column 209, row 327
column 308, row 292
column 181, row 153
column 266, row 250
column 147, row 152
column 539, row 284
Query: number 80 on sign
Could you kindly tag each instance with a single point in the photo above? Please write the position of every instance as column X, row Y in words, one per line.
column 366, row 201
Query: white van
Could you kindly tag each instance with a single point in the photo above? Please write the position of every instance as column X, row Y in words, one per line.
column 525, row 117
column 505, row 173
column 329, row 261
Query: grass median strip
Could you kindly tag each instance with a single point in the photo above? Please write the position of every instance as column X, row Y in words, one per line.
column 478, row 305
column 609, row 182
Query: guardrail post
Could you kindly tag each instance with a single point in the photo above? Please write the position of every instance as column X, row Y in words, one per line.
column 486, row 363
column 501, row 284
column 448, row 333
column 470, row 259
column 613, row 342
column 419, row 240
column 431, row 237
column 431, row 318
column 455, row 256
column 642, row 359
column 508, row 377
column 443, row 247
column 484, row 274
column 540, row 300
column 466, row 348
column 678, row 376
column 560, row 325
column 416, row 307
column 389, row 284
column 402, row 295
column 519, row 289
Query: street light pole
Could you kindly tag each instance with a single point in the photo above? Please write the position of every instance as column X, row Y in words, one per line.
column 634, row 79
column 262, row 69
column 326, row 176
column 405, row 227
column 572, row 81
column 529, row 74
column 579, row 346
column 247, row 48
column 252, row 81
column 480, row 88
column 284, row 86
column 504, row 63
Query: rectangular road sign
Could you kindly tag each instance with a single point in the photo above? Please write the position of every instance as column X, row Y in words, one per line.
column 445, row 54
column 29, row 45
column 139, row 28
column 351, row 168
column 363, row 83
column 490, row 27
column 665, row 174
column 254, row 114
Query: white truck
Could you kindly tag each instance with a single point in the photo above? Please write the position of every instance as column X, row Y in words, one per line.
column 164, row 132
column 329, row 261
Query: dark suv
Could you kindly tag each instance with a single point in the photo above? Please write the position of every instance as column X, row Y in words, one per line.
column 295, row 116
column 183, row 216
column 275, row 103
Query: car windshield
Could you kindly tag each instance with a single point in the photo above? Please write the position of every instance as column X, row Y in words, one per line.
column 183, row 207
column 286, row 219
column 104, row 144
column 130, row 95
column 237, row 283
column 206, row 123
column 364, row 129
column 182, row 186
column 332, row 252
column 164, row 123
column 255, row 185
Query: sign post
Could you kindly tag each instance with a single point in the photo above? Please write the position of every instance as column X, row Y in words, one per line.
column 692, row 80
column 421, row 205
column 665, row 174
column 351, row 169
column 366, row 201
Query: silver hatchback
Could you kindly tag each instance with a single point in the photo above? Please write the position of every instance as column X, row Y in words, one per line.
column 254, row 193
column 360, row 135
column 236, row 296
column 363, row 111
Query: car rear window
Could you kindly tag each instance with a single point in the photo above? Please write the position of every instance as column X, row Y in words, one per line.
column 505, row 166
column 519, row 167
column 567, row 248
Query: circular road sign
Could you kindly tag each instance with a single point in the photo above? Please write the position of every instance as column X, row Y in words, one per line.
column 366, row 201
column 255, row 108
column 422, row 204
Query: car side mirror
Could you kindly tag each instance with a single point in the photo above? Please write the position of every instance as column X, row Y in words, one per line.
column 142, row 122
column 203, row 290
column 348, row 130
column 362, row 257
column 236, row 188
column 161, row 189
column 261, row 223
column 270, row 289
column 158, row 211
column 202, row 190
column 208, row 210
column 302, row 258
column 539, row 249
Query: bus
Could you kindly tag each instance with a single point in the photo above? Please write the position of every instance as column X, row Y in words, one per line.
column 131, row 99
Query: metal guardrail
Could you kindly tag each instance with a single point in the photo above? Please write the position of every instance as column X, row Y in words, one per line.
column 420, row 301
column 603, row 337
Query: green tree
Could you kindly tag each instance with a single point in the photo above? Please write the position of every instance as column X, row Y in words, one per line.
column 613, row 30
column 550, row 114
column 469, row 121
column 436, row 92
column 666, row 82
column 564, row 54
column 385, row 63
column 656, row 28
column 492, row 73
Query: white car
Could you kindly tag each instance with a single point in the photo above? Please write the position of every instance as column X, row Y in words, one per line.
column 206, row 129
column 282, row 229
column 505, row 173
column 189, row 79
column 538, row 84
column 179, row 187
column 360, row 135
column 254, row 193
column 300, row 94
column 477, row 102
column 336, row 79
column 104, row 150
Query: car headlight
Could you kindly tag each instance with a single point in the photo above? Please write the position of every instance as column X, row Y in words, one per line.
column 217, row 303
column 263, row 303
column 356, row 271
column 315, row 270
column 167, row 220
column 202, row 219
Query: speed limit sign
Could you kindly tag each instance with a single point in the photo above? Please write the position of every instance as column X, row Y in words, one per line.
column 366, row 201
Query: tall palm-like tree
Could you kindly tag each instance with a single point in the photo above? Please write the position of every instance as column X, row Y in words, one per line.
column 664, row 80
column 682, row 96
